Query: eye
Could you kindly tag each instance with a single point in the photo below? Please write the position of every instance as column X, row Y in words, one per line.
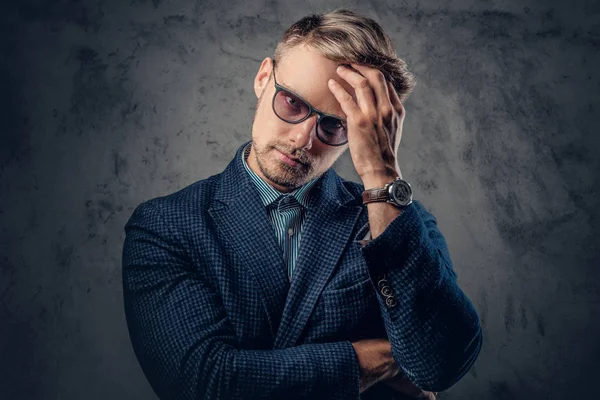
column 333, row 124
column 292, row 101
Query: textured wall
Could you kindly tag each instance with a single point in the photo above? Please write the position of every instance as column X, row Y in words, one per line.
column 109, row 103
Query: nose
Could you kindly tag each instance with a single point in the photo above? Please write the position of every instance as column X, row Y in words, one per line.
column 305, row 132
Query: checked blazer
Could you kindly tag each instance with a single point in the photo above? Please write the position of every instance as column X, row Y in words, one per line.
column 212, row 315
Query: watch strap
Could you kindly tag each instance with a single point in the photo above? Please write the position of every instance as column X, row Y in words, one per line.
column 378, row 194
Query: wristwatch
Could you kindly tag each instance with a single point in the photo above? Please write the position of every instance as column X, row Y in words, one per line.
column 398, row 192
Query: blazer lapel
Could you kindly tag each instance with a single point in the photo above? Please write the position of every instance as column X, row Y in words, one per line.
column 242, row 219
column 329, row 222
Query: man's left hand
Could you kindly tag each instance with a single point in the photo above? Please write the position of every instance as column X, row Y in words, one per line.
column 374, row 124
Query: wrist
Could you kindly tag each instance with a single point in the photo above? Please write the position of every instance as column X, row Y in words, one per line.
column 373, row 181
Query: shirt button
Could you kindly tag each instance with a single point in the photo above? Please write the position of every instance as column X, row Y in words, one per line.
column 290, row 231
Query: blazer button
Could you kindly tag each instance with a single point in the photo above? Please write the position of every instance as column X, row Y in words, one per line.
column 387, row 291
column 390, row 301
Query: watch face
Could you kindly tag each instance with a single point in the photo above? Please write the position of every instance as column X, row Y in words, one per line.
column 401, row 193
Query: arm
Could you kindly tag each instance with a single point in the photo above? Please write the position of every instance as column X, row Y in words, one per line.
column 185, row 343
column 434, row 329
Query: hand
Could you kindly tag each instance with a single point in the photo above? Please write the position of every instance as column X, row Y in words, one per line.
column 375, row 361
column 402, row 384
column 374, row 124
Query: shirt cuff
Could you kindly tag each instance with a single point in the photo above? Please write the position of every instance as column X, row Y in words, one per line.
column 367, row 237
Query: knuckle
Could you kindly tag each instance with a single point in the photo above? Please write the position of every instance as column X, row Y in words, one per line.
column 363, row 83
column 363, row 122
column 359, row 121
column 402, row 111
column 387, row 112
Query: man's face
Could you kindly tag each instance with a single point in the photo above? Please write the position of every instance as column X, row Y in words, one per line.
column 306, row 73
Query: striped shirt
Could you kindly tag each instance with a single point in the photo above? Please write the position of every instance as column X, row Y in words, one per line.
column 286, row 212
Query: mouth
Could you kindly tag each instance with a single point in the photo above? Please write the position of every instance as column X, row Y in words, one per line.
column 288, row 159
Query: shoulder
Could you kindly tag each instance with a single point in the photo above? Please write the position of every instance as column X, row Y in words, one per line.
column 187, row 202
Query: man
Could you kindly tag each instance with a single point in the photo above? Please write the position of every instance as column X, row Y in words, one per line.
column 277, row 279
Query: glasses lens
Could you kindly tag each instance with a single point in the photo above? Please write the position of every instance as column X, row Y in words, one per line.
column 332, row 130
column 289, row 107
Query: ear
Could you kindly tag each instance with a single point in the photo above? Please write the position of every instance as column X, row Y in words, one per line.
column 261, row 80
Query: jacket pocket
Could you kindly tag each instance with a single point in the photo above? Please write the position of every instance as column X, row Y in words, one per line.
column 355, row 293
column 352, row 312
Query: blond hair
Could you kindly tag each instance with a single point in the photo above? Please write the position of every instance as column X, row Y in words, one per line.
column 346, row 37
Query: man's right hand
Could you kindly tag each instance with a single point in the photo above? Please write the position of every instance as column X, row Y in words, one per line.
column 375, row 361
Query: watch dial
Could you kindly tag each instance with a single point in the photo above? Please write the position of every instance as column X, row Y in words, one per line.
column 402, row 192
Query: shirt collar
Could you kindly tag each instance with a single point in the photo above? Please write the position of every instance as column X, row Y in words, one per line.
column 268, row 194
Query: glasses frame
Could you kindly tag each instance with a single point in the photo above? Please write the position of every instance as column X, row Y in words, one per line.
column 311, row 110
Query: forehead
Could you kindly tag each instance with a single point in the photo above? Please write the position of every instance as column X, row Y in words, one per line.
column 306, row 72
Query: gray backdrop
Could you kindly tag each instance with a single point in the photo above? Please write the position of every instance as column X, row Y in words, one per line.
column 109, row 103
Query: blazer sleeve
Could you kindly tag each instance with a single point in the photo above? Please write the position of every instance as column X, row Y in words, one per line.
column 184, row 341
column 433, row 328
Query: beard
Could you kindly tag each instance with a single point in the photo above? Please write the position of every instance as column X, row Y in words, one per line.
column 276, row 170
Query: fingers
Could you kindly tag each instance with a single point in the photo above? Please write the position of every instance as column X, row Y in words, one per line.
column 379, row 86
column 395, row 100
column 362, row 86
column 346, row 101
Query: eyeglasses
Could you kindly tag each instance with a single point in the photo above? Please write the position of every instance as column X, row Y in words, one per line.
column 292, row 108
